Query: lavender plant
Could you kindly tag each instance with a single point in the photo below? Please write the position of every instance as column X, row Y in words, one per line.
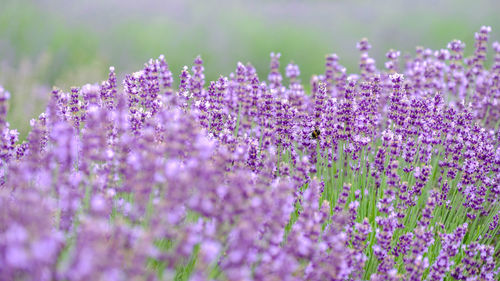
column 390, row 174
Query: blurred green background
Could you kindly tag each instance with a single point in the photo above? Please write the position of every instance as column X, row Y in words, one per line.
column 66, row 43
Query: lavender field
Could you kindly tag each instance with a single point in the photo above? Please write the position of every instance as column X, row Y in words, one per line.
column 387, row 174
column 381, row 173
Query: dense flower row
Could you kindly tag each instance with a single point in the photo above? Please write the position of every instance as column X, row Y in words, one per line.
column 389, row 174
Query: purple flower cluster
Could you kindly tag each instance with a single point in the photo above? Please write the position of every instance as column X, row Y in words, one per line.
column 389, row 174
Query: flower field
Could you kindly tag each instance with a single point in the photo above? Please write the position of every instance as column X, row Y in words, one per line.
column 386, row 174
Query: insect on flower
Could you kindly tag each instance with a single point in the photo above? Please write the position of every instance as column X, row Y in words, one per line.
column 315, row 134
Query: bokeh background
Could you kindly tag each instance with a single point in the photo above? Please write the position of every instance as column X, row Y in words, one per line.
column 69, row 43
